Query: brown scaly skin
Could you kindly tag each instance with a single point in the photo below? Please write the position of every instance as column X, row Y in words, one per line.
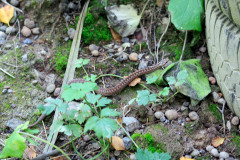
column 114, row 90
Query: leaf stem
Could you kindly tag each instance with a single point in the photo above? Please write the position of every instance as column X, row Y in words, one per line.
column 91, row 107
column 144, row 8
column 172, row 96
column 40, row 139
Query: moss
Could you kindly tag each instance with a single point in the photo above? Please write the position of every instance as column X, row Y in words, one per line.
column 176, row 51
column 213, row 108
column 159, row 126
column 189, row 128
column 95, row 28
column 205, row 157
column 101, row 66
column 236, row 141
column 144, row 46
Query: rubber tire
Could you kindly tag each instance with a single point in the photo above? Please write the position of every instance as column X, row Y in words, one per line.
column 223, row 41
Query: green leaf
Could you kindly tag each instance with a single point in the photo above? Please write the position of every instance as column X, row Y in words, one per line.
column 182, row 75
column 57, row 102
column 81, row 62
column 103, row 102
column 14, row 146
column 196, row 38
column 107, row 112
column 92, row 78
column 63, row 107
column 32, row 131
column 143, row 97
column 186, row 14
column 145, row 154
column 164, row 92
column 33, row 142
column 85, row 112
column 92, row 98
column 69, row 115
column 171, row 80
column 131, row 101
column 152, row 79
column 72, row 129
column 46, row 109
column 91, row 123
column 152, row 97
column 55, row 127
column 105, row 128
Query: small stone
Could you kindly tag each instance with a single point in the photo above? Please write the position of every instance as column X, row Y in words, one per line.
column 25, row 58
column 14, row 2
column 125, row 45
column 10, row 90
column 93, row 47
column 131, row 123
column 183, row 108
column 35, row 37
column 110, row 51
column 96, row 145
column 186, row 104
column 122, row 57
column 133, row 57
column 215, row 96
column 27, row 41
column 71, row 33
column 229, row 126
column 133, row 157
column 158, row 114
column 195, row 152
column 143, row 64
column 3, row 28
column 120, row 133
column 188, row 156
column 86, row 138
column 4, row 91
column 171, row 114
column 224, row 155
column 203, row 49
column 221, row 101
column 57, row 92
column 235, row 120
column 214, row 152
column 95, row 53
column 36, row 31
column 133, row 41
column 29, row 24
column 10, row 30
column 117, row 153
column 127, row 142
column 193, row 116
column 71, row 5
column 188, row 119
column 66, row 39
column 6, row 87
column 14, row 123
column 13, row 105
column 212, row 80
column 2, row 35
column 120, row 49
column 2, row 41
column 50, row 88
column 26, row 31
column 125, row 39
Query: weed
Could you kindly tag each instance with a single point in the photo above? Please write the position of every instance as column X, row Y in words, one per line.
column 143, row 46
column 213, row 108
column 236, row 141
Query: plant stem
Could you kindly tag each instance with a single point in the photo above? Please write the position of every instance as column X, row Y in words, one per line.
column 95, row 140
column 172, row 96
column 91, row 107
column 85, row 71
column 40, row 139
column 146, row 87
column 144, row 8
column 183, row 49
column 75, row 149
column 108, row 75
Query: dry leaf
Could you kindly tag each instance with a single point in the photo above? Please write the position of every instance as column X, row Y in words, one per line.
column 119, row 120
column 135, row 82
column 30, row 153
column 159, row 3
column 59, row 158
column 115, row 35
column 217, row 141
column 185, row 158
column 117, row 143
column 6, row 14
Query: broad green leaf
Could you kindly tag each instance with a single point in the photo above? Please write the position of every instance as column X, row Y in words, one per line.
column 152, row 79
column 91, row 123
column 143, row 97
column 105, row 128
column 33, row 142
column 70, row 114
column 182, row 75
column 46, row 109
column 164, row 92
column 131, row 101
column 171, row 80
column 72, row 129
column 85, row 112
column 55, row 127
column 186, row 14
column 93, row 98
column 103, row 102
column 107, row 112
column 92, row 78
column 196, row 38
column 57, row 102
column 152, row 97
column 148, row 155
column 81, row 62
column 63, row 107
column 32, row 131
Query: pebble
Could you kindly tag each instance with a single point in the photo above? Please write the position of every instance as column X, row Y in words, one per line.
column 214, row 152
column 212, row 80
column 10, row 90
column 224, row 155
column 10, row 30
column 158, row 114
column 96, row 145
column 131, row 123
column 193, row 108
column 71, row 5
column 203, row 49
column 25, row 58
column 209, row 148
column 110, row 51
column 2, row 35
column 188, row 156
column 193, row 116
column 2, row 41
column 235, row 120
column 57, row 92
column 120, row 49
column 221, row 101
column 13, row 105
column 27, row 41
column 229, row 125
column 4, row 91
column 95, row 53
column 215, row 96
column 93, row 47
column 171, row 114
column 14, row 2
column 13, row 123
column 3, row 28
column 133, row 41
column 127, row 142
column 86, row 138
column 125, row 45
column 188, row 119
column 36, row 31
column 122, row 57
column 50, row 88
column 133, row 57
column 133, row 157
column 35, row 37
column 195, row 152
column 28, row 23
column 183, row 108
column 26, row 31
column 117, row 153
column 71, row 33
column 143, row 64
column 66, row 39
column 125, row 39
column 186, row 104
column 120, row 133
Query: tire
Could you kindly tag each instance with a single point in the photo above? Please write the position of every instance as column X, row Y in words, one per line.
column 223, row 41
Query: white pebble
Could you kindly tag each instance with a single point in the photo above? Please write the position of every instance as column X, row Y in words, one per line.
column 212, row 80
column 158, row 114
column 235, row 121
column 209, row 148
column 125, row 45
column 221, row 101
column 95, row 53
column 133, row 57
column 195, row 152
column 214, row 152
column 193, row 116
column 224, row 155
column 132, row 157
column 171, row 114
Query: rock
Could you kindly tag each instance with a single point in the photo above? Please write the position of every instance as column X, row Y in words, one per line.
column 195, row 152
column 229, row 125
column 158, row 114
column 193, row 108
column 34, row 93
column 117, row 153
column 57, row 92
column 221, row 101
column 143, row 64
column 193, row 116
column 183, row 108
column 133, row 40
column 110, row 51
column 188, row 156
column 25, row 58
column 27, row 41
column 71, row 5
column 93, row 47
column 2, row 35
column 10, row 90
column 125, row 39
column 2, row 41
column 14, row 2
column 127, row 142
column 214, row 152
column 10, row 30
column 224, row 155
column 201, row 135
column 26, row 31
column 131, row 123
column 235, row 121
column 120, row 133
column 3, row 28
column 4, row 91
column 125, row 45
column 171, row 114
column 95, row 53
column 35, row 37
column 186, row 104
column 122, row 57
column 71, row 33
column 36, row 31
column 86, row 138
column 120, row 49
column 50, row 88
column 203, row 49
column 188, row 119
column 96, row 145
column 29, row 24
column 212, row 80
column 215, row 96
column 133, row 157
column 13, row 123
column 115, row 46
column 133, row 57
